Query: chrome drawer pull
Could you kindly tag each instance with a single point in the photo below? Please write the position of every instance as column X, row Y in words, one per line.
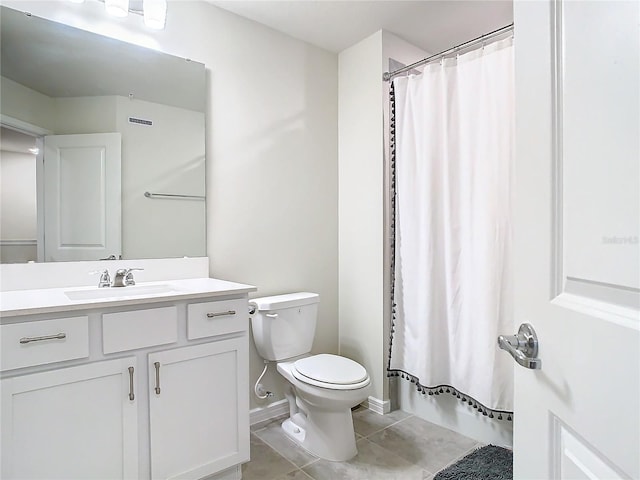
column 221, row 314
column 131, row 395
column 58, row 336
column 157, row 365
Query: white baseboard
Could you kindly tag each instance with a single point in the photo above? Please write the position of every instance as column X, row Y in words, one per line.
column 378, row 406
column 271, row 411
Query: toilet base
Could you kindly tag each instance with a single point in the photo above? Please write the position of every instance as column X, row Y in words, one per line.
column 293, row 431
column 328, row 435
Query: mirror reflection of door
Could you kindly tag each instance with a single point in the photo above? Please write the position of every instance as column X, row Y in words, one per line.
column 82, row 197
column 18, row 197
column 78, row 214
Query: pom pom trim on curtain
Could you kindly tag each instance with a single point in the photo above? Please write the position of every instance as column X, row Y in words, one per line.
column 397, row 372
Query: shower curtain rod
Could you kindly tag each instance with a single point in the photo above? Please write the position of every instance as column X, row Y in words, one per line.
column 387, row 76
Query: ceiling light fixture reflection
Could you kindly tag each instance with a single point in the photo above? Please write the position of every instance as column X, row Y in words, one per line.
column 34, row 150
column 117, row 8
column 155, row 13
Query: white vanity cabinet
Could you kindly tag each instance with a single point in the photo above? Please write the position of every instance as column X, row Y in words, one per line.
column 76, row 422
column 196, row 407
column 159, row 390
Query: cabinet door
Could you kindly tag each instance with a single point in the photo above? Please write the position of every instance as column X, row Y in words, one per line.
column 76, row 422
column 199, row 409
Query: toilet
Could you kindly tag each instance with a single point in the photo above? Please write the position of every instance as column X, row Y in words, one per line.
column 321, row 389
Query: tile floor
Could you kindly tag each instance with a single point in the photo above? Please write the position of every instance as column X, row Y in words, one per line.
column 395, row 446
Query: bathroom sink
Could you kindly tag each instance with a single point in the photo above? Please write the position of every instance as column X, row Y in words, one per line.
column 119, row 292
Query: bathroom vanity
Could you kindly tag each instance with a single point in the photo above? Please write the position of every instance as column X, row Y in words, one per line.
column 147, row 381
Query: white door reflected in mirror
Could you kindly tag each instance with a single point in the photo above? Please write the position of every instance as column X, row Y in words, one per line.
column 82, row 192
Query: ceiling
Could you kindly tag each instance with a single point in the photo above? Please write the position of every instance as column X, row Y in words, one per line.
column 433, row 25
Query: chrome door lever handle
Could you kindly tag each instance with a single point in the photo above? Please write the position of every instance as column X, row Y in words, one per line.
column 523, row 346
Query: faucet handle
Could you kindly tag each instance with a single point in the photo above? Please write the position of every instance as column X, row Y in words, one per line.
column 105, row 278
column 125, row 275
column 128, row 280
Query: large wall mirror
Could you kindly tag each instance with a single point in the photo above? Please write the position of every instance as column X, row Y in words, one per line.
column 102, row 145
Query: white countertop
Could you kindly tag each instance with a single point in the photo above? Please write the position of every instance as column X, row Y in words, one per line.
column 54, row 300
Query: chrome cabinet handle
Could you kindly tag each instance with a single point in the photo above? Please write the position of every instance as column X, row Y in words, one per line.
column 57, row 336
column 523, row 346
column 221, row 314
column 131, row 395
column 157, row 365
column 271, row 315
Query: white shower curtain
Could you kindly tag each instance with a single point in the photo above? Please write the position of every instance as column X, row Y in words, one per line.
column 452, row 295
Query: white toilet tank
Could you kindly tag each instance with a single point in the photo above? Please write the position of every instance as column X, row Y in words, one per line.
column 284, row 325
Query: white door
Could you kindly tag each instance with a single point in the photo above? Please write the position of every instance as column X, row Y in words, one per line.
column 82, row 196
column 199, row 406
column 71, row 423
column 576, row 235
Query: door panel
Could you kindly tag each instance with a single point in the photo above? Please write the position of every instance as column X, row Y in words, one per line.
column 576, row 238
column 70, row 423
column 598, row 127
column 82, row 199
column 576, row 458
column 197, row 422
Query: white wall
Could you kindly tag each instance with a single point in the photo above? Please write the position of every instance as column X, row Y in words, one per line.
column 84, row 115
column 20, row 102
column 364, row 244
column 167, row 157
column 361, row 208
column 272, row 196
column 17, row 198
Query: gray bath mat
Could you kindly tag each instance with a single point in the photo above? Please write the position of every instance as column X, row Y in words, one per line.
column 486, row 463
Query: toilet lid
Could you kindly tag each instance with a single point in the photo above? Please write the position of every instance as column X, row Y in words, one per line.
column 327, row 368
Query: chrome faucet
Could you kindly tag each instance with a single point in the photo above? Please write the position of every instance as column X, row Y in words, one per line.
column 124, row 277
column 105, row 279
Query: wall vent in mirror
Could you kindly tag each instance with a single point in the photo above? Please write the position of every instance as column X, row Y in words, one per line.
column 140, row 121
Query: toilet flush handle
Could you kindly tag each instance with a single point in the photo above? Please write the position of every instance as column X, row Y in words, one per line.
column 271, row 315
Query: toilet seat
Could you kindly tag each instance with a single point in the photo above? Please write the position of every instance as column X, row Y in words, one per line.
column 330, row 371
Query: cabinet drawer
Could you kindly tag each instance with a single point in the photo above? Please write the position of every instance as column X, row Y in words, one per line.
column 138, row 329
column 46, row 341
column 216, row 318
